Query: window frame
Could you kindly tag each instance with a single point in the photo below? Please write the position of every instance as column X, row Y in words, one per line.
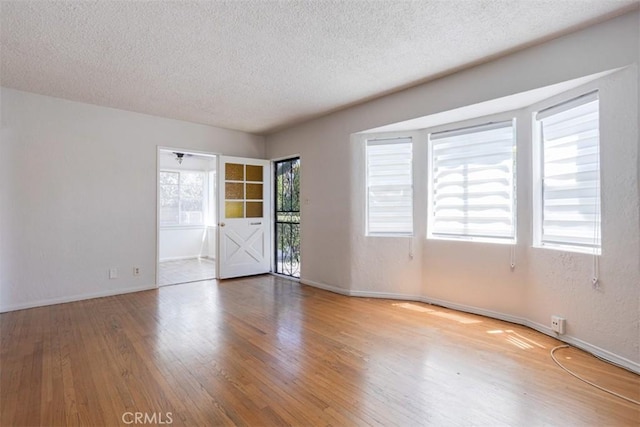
column 575, row 99
column 378, row 139
column 478, row 122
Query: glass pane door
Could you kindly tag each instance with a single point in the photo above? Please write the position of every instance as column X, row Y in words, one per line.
column 287, row 217
column 244, row 230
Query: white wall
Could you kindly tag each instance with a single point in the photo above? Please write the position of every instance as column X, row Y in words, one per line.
column 78, row 195
column 337, row 255
column 183, row 243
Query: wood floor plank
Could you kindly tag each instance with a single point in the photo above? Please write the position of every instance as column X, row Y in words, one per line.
column 267, row 351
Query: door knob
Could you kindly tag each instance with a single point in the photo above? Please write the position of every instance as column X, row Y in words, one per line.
column 222, row 224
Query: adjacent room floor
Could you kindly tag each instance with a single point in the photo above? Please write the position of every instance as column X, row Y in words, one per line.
column 186, row 270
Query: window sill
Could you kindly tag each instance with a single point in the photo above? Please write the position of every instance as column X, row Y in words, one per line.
column 567, row 248
column 473, row 239
column 389, row 235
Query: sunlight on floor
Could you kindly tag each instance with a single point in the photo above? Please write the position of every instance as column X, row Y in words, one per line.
column 445, row 315
column 514, row 338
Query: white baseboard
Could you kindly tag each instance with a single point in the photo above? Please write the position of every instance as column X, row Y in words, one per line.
column 63, row 300
column 475, row 310
column 573, row 341
column 330, row 288
column 594, row 350
column 384, row 295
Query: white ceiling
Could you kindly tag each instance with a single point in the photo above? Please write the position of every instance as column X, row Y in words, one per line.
column 259, row 66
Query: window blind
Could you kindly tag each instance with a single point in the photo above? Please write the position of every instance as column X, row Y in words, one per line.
column 571, row 173
column 472, row 182
column 389, row 186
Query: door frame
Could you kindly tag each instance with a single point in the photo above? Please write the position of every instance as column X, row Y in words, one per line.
column 159, row 149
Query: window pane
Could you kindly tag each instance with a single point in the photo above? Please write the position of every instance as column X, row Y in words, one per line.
column 570, row 163
column 233, row 190
column 169, row 178
column 254, row 191
column 254, row 173
column 254, row 209
column 234, row 209
column 389, row 186
column 169, row 198
column 182, row 198
column 472, row 187
column 234, row 172
column 288, row 186
column 169, row 216
column 191, row 198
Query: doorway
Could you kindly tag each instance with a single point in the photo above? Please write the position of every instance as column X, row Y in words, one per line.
column 287, row 217
column 186, row 216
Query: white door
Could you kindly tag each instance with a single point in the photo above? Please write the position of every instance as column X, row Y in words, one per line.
column 244, row 232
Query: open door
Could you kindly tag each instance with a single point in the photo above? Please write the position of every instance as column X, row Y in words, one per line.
column 244, row 232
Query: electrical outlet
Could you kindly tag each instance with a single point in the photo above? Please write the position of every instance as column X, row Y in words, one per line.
column 557, row 324
column 113, row 273
column 136, row 271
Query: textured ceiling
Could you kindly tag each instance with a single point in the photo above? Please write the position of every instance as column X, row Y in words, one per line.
column 259, row 66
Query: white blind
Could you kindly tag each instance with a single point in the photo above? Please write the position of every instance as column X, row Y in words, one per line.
column 571, row 173
column 472, row 182
column 389, row 186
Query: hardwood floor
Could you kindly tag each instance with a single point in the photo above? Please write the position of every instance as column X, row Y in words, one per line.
column 266, row 351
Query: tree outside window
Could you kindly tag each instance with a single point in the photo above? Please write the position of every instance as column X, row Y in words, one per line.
column 182, row 197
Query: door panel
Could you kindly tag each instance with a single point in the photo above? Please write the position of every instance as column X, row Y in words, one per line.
column 244, row 227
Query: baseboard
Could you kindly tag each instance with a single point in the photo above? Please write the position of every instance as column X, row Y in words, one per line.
column 326, row 287
column 601, row 353
column 575, row 342
column 384, row 295
column 74, row 298
column 475, row 310
column 360, row 294
column 543, row 329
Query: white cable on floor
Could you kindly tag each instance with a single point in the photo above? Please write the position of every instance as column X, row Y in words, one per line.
column 628, row 399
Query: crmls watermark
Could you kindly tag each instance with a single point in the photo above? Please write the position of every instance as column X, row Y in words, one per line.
column 147, row 418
